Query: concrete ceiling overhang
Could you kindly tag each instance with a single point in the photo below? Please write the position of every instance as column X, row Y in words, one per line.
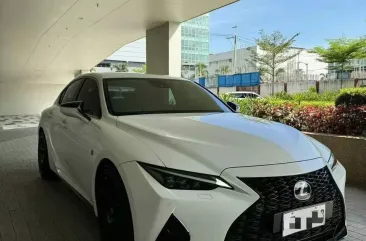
column 47, row 40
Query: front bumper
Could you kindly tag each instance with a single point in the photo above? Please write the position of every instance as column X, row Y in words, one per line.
column 205, row 215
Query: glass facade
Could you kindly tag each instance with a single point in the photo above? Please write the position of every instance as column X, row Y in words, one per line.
column 195, row 40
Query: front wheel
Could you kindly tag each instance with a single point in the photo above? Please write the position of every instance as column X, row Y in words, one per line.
column 114, row 213
column 43, row 161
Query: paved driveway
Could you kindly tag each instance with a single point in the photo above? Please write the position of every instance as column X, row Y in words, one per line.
column 31, row 209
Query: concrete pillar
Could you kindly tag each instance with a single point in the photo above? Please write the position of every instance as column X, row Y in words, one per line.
column 80, row 72
column 163, row 49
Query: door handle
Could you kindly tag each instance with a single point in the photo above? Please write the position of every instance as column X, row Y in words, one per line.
column 64, row 122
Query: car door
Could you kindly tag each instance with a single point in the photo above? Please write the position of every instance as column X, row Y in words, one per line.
column 57, row 128
column 83, row 139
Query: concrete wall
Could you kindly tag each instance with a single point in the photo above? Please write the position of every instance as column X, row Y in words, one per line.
column 27, row 98
column 330, row 85
column 266, row 88
column 222, row 90
column 302, row 86
column 351, row 152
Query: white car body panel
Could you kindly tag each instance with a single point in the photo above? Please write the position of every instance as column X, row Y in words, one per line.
column 180, row 202
column 219, row 141
column 228, row 145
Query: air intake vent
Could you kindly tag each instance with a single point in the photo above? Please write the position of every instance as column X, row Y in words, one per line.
column 173, row 231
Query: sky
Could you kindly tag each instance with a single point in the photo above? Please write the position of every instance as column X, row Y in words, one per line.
column 315, row 20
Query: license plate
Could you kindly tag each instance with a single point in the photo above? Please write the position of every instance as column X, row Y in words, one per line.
column 302, row 219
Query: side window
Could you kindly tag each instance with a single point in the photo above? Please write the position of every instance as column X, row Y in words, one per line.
column 171, row 98
column 90, row 95
column 70, row 93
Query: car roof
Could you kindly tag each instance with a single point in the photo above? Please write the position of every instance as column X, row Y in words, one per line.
column 242, row 92
column 120, row 75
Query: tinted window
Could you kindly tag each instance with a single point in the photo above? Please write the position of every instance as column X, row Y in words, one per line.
column 143, row 96
column 90, row 95
column 70, row 93
column 235, row 95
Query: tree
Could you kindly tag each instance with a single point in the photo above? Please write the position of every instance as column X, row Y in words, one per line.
column 120, row 67
column 201, row 70
column 280, row 71
column 224, row 70
column 322, row 76
column 140, row 71
column 340, row 52
column 272, row 51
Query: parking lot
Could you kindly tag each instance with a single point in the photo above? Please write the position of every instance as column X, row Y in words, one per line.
column 31, row 209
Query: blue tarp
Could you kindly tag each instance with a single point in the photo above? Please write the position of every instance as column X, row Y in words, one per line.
column 247, row 79
column 222, row 80
column 202, row 81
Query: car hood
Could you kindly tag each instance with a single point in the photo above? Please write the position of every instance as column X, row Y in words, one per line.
column 211, row 143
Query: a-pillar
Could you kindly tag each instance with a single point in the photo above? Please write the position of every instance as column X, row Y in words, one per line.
column 163, row 49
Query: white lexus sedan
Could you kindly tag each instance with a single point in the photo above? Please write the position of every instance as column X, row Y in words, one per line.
column 163, row 159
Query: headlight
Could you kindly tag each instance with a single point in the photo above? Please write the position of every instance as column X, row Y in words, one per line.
column 182, row 180
column 332, row 162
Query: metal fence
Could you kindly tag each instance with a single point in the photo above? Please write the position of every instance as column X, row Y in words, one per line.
column 265, row 89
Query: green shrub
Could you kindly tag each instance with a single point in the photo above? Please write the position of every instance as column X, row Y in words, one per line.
column 342, row 120
column 309, row 95
column 225, row 97
column 282, row 96
column 248, row 106
column 328, row 96
column 351, row 96
column 353, row 91
column 312, row 89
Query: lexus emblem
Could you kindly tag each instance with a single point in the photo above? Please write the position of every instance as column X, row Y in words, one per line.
column 302, row 191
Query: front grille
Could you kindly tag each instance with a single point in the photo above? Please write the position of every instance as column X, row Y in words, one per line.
column 277, row 196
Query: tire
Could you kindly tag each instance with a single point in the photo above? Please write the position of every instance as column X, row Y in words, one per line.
column 114, row 213
column 43, row 161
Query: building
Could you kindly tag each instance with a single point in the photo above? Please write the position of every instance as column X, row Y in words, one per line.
column 304, row 66
column 195, row 44
column 134, row 54
column 357, row 70
column 218, row 62
column 195, row 48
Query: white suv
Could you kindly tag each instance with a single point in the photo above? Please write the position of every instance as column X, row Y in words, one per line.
column 244, row 94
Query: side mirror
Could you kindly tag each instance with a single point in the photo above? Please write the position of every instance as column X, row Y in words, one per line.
column 233, row 106
column 75, row 109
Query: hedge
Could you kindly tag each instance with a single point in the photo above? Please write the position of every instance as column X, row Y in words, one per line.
column 342, row 120
column 309, row 95
column 312, row 116
column 354, row 97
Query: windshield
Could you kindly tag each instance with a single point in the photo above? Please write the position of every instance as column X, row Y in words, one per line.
column 237, row 95
column 151, row 96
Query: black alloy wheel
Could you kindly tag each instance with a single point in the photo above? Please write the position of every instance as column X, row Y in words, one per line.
column 43, row 161
column 114, row 213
